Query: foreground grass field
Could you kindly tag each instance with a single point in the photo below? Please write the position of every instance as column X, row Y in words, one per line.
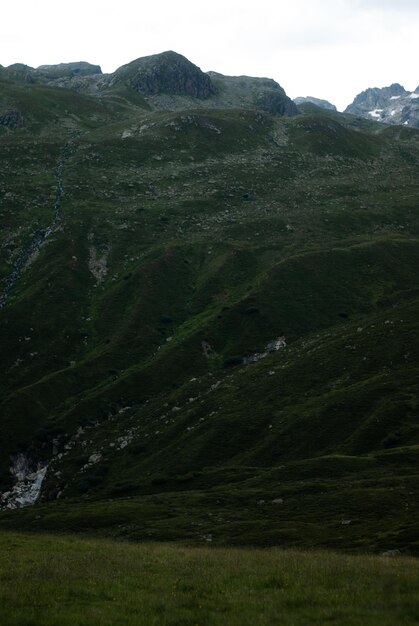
column 57, row 580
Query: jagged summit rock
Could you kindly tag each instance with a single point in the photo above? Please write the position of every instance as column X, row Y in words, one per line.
column 324, row 104
column 374, row 97
column 168, row 72
column 391, row 105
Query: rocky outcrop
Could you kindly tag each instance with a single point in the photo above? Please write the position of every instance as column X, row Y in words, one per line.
column 78, row 76
column 251, row 92
column 391, row 105
column 277, row 103
column 374, row 98
column 11, row 119
column 167, row 73
column 19, row 72
column 272, row 346
column 323, row 104
column 28, row 478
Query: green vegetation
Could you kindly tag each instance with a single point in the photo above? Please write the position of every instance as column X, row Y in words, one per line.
column 59, row 580
column 188, row 241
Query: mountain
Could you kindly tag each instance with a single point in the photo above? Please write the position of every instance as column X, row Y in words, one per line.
column 324, row 104
column 391, row 105
column 168, row 73
column 160, row 82
column 208, row 312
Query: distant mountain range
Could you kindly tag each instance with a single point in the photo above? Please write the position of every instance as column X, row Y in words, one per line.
column 392, row 105
column 169, row 81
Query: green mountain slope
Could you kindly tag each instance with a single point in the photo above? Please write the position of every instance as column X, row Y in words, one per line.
column 149, row 258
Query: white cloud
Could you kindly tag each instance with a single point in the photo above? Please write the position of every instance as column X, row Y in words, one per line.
column 327, row 48
column 392, row 5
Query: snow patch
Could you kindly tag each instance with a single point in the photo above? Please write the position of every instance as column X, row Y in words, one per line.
column 376, row 113
column 394, row 97
column 413, row 96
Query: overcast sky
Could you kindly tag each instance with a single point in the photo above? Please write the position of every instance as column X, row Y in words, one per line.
column 330, row 49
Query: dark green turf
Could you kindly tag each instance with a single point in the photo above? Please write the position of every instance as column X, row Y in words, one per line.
column 220, row 228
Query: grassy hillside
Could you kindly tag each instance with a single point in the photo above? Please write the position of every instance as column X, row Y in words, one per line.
column 49, row 580
column 187, row 241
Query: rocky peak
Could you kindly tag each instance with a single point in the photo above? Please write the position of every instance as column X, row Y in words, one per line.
column 19, row 72
column 324, row 104
column 392, row 105
column 169, row 73
column 374, row 98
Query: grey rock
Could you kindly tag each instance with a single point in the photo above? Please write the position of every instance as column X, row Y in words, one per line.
column 391, row 553
column 80, row 68
column 374, row 98
column 277, row 103
column 166, row 81
column 11, row 119
column 324, row 104
column 390, row 105
column 28, row 479
column 249, row 92
column 165, row 73
column 19, row 72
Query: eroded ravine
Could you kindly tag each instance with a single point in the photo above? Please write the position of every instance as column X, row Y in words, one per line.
column 41, row 234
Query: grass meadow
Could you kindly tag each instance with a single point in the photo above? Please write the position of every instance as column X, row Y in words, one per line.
column 48, row 580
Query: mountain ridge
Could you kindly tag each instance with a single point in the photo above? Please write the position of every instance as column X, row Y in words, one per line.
column 166, row 81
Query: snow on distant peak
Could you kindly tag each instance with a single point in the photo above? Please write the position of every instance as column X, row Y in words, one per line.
column 394, row 97
column 375, row 113
column 413, row 96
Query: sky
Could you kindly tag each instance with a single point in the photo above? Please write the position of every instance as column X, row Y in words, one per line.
column 331, row 49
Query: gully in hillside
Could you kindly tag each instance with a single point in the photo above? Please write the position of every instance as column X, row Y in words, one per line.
column 40, row 235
